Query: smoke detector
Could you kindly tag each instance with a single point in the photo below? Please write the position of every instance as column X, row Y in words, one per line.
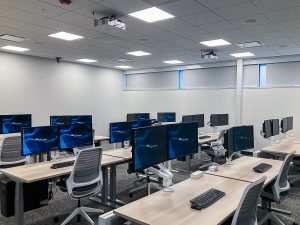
column 65, row 2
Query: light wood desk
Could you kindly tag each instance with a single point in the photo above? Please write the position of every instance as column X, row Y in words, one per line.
column 242, row 169
column 212, row 137
column 120, row 153
column 283, row 148
column 101, row 138
column 41, row 171
column 164, row 208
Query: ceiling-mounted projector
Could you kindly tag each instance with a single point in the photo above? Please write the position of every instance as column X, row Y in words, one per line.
column 111, row 21
column 209, row 55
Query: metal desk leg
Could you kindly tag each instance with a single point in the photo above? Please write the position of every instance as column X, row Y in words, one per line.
column 19, row 204
column 188, row 163
column 113, row 186
column 104, row 191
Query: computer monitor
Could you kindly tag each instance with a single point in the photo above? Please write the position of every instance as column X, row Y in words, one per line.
column 137, row 116
column 290, row 121
column 75, row 136
column 166, row 117
column 36, row 140
column 140, row 123
column 198, row 118
column 284, row 125
column 119, row 132
column 60, row 120
column 219, row 120
column 275, row 127
column 83, row 119
column 182, row 139
column 240, row 138
column 267, row 128
column 14, row 123
column 149, row 147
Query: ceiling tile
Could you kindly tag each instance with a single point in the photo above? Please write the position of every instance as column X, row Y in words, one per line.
column 146, row 29
column 183, row 7
column 163, row 36
column 38, row 29
column 265, row 28
column 286, row 14
column 75, row 19
column 275, row 5
column 289, row 24
column 218, row 26
column 12, row 2
column 57, row 25
column 172, row 24
column 41, row 8
column 202, row 18
column 214, row 4
column 12, row 23
column 271, row 35
column 100, row 11
column 23, row 16
column 76, row 4
column 239, row 10
column 4, row 8
column 242, row 22
column 190, row 31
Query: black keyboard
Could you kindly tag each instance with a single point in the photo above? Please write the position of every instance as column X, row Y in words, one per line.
column 204, row 137
column 62, row 164
column 261, row 168
column 206, row 199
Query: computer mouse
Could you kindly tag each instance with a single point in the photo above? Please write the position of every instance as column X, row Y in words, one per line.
column 196, row 206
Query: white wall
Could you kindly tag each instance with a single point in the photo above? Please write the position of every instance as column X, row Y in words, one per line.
column 42, row 87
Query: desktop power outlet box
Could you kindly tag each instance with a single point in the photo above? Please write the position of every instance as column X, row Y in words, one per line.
column 213, row 168
column 197, row 174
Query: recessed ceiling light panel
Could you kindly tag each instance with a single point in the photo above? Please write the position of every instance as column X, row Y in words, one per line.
column 124, row 67
column 87, row 60
column 151, row 15
column 138, row 53
column 251, row 44
column 13, row 38
column 65, row 36
column 15, row 48
column 242, row 54
column 173, row 62
column 215, row 43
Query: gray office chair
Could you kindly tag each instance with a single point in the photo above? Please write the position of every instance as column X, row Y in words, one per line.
column 10, row 151
column 294, row 178
column 85, row 180
column 215, row 150
column 246, row 213
column 275, row 192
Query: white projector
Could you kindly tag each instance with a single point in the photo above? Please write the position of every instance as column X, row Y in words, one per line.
column 111, row 21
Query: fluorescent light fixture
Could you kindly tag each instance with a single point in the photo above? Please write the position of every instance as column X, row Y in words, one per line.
column 252, row 44
column 242, row 54
column 87, row 60
column 138, row 53
column 151, row 15
column 173, row 62
column 15, row 48
column 123, row 67
column 9, row 37
column 215, row 43
column 65, row 36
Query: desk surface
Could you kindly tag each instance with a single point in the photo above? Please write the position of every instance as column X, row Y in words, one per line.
column 285, row 147
column 213, row 137
column 120, row 153
column 40, row 171
column 162, row 208
column 101, row 138
column 242, row 169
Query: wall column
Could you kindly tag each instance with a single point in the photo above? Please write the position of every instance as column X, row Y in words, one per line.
column 239, row 92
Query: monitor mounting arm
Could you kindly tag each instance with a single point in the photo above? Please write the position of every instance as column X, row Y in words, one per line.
column 165, row 174
column 229, row 159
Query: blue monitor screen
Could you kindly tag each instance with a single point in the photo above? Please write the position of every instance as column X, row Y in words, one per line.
column 138, row 116
column 183, row 139
column 14, row 123
column 76, row 135
column 149, row 147
column 60, row 120
column 119, row 132
column 166, row 117
column 36, row 140
column 140, row 123
column 81, row 119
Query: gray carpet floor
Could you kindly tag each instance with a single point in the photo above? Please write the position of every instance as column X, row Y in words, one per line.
column 61, row 205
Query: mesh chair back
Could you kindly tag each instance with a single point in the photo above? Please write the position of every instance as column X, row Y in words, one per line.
column 282, row 184
column 10, row 151
column 247, row 209
column 86, row 177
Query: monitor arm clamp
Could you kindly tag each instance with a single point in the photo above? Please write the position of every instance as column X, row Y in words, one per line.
column 164, row 173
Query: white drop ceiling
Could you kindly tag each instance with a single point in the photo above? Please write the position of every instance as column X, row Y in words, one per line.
column 277, row 26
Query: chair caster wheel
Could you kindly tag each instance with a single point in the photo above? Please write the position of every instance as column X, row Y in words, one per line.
column 295, row 224
column 56, row 219
column 130, row 195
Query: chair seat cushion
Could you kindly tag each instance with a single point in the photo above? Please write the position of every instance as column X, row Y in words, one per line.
column 85, row 191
